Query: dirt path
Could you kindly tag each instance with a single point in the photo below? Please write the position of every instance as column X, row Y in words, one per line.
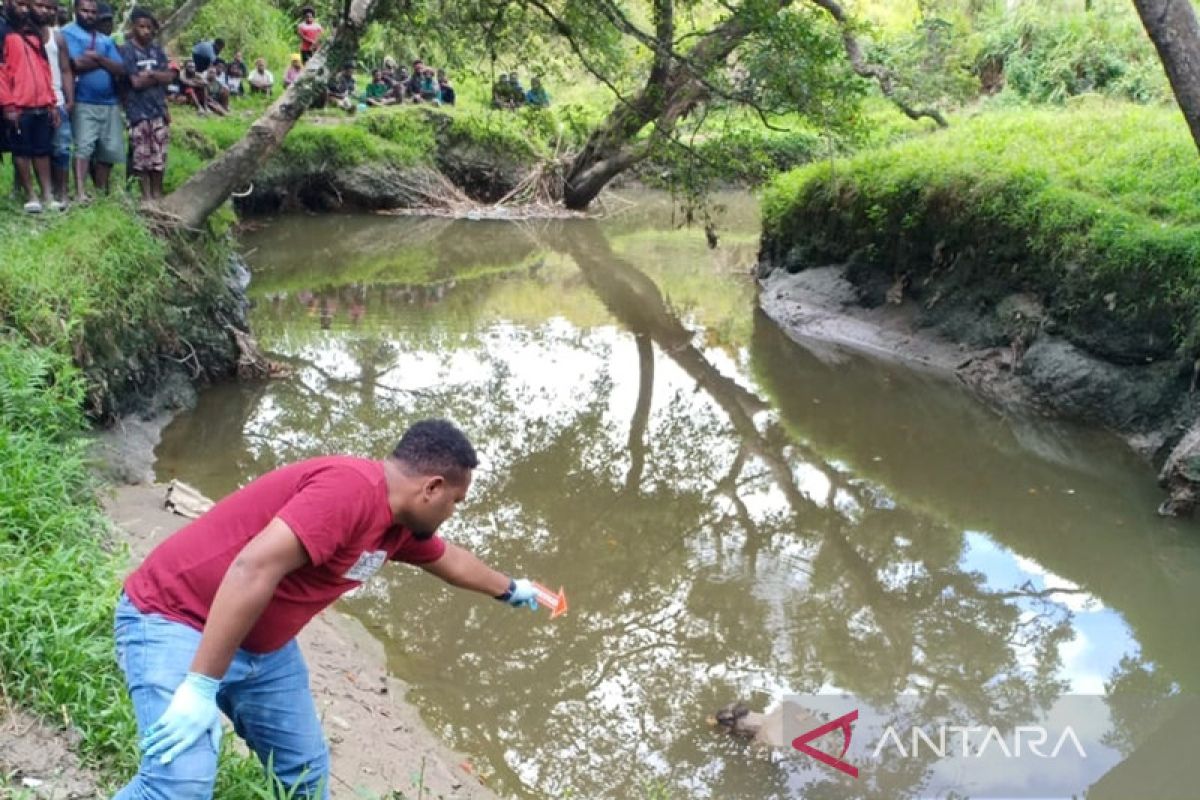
column 380, row 746
column 37, row 761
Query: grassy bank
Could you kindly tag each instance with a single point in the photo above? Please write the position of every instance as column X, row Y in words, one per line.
column 1095, row 208
column 406, row 136
column 93, row 306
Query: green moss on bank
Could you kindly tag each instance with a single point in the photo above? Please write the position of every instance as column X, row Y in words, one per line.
column 1095, row 208
column 403, row 137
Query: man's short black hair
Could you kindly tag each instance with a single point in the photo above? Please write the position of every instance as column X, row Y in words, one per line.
column 437, row 447
column 142, row 13
column 218, row 44
column 104, row 11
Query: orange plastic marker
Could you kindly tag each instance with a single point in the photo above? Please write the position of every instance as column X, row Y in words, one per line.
column 556, row 602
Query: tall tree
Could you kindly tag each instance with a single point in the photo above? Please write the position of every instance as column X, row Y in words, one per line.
column 690, row 66
column 774, row 56
column 1175, row 32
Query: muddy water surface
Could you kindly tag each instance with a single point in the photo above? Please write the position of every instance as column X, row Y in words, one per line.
column 733, row 516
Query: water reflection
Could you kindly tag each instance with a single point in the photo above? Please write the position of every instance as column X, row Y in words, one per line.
column 733, row 515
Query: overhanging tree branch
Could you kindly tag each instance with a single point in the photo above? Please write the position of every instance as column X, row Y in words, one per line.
column 204, row 192
column 612, row 147
column 877, row 72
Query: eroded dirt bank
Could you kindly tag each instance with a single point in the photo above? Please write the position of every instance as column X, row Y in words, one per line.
column 1005, row 347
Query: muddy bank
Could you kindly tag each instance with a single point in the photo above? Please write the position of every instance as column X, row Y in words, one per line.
column 150, row 366
column 1004, row 344
column 424, row 157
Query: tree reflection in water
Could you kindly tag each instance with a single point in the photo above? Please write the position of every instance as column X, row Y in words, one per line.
column 710, row 552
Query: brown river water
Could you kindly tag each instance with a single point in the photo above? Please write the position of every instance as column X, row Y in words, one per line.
column 733, row 516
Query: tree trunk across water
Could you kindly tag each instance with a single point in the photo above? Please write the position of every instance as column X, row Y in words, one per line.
column 204, row 192
column 1175, row 32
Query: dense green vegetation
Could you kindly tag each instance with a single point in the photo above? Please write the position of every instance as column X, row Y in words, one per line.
column 79, row 292
column 62, row 566
column 1094, row 207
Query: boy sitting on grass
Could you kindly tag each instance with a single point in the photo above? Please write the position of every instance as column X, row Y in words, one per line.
column 378, row 92
column 146, row 102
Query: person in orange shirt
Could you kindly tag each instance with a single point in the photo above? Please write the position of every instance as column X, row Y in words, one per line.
column 27, row 98
column 310, row 32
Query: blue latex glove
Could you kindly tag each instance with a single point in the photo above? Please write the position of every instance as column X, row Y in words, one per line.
column 191, row 714
column 520, row 593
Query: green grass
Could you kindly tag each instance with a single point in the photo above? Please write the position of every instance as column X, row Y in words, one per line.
column 60, row 582
column 1096, row 199
column 81, row 294
column 60, row 274
column 403, row 137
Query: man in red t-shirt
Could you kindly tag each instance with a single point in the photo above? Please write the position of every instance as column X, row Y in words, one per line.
column 310, row 32
column 209, row 620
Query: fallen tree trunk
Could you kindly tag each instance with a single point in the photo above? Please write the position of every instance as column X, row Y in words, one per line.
column 203, row 193
column 1173, row 28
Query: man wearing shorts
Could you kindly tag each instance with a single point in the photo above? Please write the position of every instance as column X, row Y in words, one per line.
column 27, row 102
column 146, row 102
column 96, row 123
column 209, row 620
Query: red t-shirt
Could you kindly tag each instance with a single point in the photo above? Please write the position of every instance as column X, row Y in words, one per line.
column 336, row 506
column 309, row 34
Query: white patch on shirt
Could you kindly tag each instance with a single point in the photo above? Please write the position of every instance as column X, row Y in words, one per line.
column 367, row 565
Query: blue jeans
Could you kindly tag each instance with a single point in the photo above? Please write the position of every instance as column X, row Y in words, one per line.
column 266, row 696
column 60, row 148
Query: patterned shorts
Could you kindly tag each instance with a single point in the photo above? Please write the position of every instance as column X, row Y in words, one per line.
column 149, row 138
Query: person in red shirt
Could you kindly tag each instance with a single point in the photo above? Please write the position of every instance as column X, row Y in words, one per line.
column 209, row 619
column 30, row 113
column 310, row 32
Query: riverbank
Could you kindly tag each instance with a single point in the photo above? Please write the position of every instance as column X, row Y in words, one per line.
column 384, row 158
column 106, row 318
column 378, row 743
column 1057, row 247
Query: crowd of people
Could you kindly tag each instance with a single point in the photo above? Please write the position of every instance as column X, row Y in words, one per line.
column 68, row 88
column 70, row 96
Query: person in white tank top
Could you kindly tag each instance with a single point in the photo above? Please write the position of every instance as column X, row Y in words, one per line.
column 63, row 80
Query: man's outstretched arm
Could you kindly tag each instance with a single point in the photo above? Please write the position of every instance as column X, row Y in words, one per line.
column 462, row 568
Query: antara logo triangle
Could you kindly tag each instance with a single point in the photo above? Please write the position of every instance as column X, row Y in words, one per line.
column 842, row 723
